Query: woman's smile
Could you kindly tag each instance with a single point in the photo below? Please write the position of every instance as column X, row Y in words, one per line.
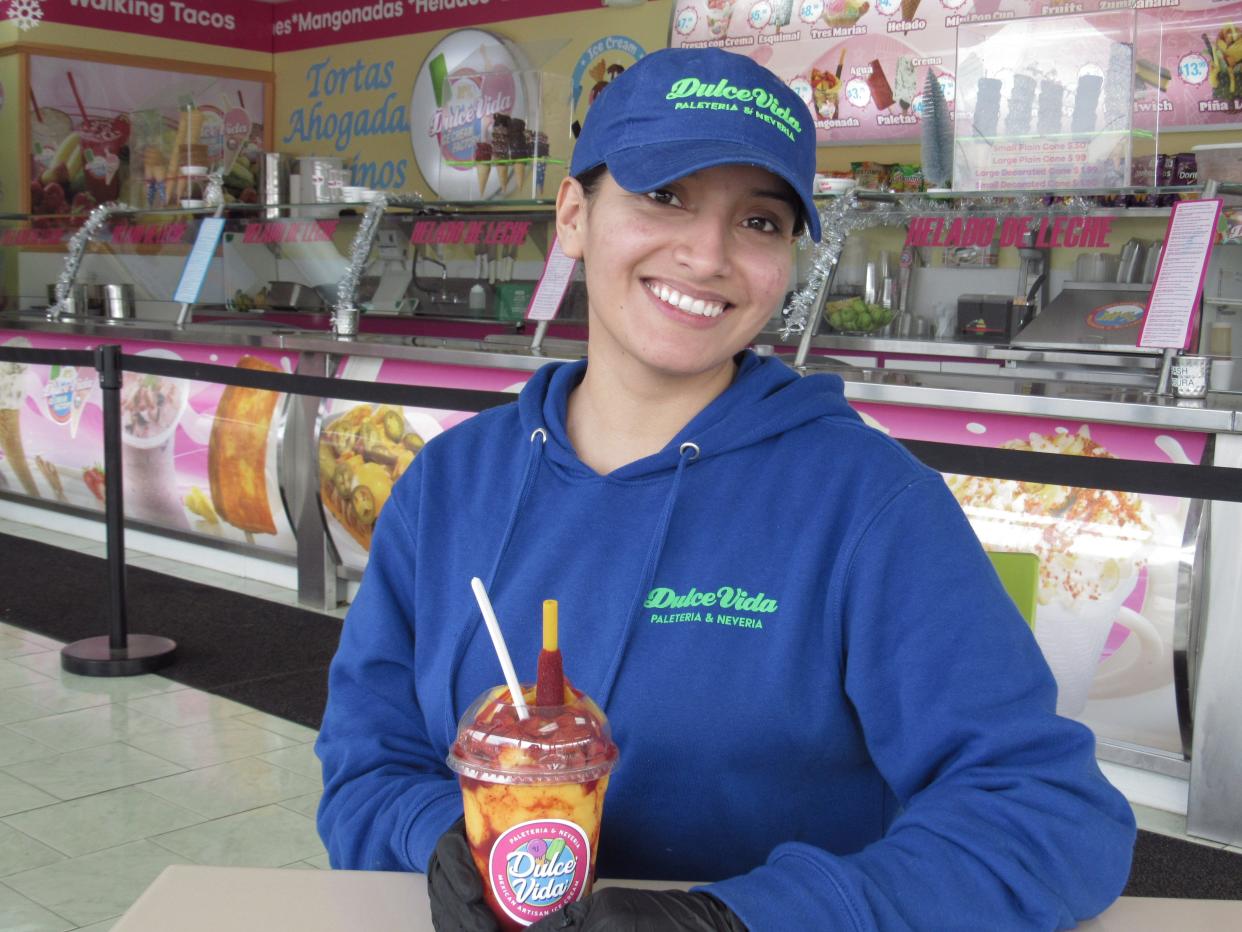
column 708, row 307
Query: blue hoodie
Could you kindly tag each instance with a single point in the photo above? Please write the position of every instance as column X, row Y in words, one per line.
column 826, row 706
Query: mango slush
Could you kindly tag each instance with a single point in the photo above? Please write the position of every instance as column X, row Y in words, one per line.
column 533, row 794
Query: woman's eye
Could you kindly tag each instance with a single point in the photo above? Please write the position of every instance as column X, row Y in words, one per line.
column 762, row 224
column 664, row 196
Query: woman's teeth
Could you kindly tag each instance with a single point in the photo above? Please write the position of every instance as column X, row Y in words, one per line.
column 685, row 302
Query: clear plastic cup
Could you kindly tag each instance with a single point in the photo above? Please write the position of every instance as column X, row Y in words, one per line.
column 533, row 794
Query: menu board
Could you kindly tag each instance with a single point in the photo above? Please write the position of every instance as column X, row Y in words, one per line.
column 1045, row 103
column 861, row 65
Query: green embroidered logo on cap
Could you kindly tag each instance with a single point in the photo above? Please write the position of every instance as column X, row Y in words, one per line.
column 693, row 94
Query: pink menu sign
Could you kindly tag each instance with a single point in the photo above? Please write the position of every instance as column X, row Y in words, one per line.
column 1169, row 321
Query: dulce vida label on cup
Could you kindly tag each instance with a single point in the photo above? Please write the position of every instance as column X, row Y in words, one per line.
column 537, row 867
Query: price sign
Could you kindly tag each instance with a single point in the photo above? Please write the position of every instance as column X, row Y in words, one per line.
column 1179, row 276
column 194, row 271
column 558, row 271
column 1192, row 68
column 760, row 14
column 687, row 19
column 948, row 86
column 857, row 92
column 809, row 11
column 802, row 87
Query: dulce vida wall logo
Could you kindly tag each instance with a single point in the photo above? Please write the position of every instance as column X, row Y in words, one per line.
column 537, row 867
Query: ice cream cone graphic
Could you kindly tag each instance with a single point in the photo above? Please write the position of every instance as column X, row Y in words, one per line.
column 483, row 163
column 12, row 398
column 14, row 454
column 521, row 171
column 504, row 171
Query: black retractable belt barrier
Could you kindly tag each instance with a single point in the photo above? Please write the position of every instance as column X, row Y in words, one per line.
column 119, row 653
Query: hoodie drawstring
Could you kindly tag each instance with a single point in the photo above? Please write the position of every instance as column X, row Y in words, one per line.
column 533, row 459
column 688, row 453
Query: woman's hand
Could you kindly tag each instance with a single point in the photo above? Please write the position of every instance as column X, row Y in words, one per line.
column 454, row 886
column 621, row 909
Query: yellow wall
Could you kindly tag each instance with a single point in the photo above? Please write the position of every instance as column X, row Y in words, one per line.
column 553, row 43
column 11, row 129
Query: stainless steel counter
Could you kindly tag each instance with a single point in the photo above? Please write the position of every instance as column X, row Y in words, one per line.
column 1219, row 412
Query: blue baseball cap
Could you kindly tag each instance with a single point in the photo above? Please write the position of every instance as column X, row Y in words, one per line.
column 677, row 111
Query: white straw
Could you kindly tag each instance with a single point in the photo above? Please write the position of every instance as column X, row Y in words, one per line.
column 498, row 641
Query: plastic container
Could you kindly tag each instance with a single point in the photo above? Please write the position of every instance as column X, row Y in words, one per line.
column 1220, row 161
column 193, row 185
column 533, row 795
column 512, row 299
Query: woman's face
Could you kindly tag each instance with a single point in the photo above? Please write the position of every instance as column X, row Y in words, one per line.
column 682, row 278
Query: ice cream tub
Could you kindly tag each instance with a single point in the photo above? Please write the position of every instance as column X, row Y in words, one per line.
column 533, row 794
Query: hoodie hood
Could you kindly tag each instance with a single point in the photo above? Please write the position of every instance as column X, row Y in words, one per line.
column 765, row 399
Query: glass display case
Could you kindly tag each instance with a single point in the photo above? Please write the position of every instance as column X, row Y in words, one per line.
column 417, row 261
column 1005, row 280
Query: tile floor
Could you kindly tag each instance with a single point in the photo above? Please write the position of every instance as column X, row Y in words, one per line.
column 105, row 782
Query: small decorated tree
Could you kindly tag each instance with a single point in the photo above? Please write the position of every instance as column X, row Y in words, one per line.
column 937, row 134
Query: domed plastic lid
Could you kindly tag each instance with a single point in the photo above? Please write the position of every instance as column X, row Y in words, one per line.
column 568, row 743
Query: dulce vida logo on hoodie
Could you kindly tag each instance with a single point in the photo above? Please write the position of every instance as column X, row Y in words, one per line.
column 719, row 606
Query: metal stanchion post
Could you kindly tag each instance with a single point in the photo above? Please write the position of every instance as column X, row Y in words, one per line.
column 118, row 653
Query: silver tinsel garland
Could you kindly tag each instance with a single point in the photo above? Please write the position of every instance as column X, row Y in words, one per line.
column 360, row 248
column 77, row 247
column 214, row 196
column 841, row 217
column 360, row 251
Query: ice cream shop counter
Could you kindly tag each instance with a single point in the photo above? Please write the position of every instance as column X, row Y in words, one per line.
column 283, row 445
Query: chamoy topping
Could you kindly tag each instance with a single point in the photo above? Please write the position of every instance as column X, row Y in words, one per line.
column 568, row 742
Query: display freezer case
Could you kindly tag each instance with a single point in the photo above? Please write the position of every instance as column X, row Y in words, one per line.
column 1051, row 285
column 418, row 265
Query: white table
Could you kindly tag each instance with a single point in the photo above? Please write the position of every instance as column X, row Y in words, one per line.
column 189, row 898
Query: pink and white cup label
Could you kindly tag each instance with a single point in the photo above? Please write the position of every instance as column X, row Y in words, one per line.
column 537, row 867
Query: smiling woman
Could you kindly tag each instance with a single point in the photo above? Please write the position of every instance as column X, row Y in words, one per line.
column 849, row 687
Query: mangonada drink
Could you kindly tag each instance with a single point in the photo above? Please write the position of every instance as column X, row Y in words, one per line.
column 533, row 793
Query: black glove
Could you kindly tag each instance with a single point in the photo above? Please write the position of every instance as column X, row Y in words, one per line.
column 453, row 884
column 621, row 909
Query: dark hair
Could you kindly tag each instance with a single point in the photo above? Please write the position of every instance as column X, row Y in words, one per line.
column 590, row 179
